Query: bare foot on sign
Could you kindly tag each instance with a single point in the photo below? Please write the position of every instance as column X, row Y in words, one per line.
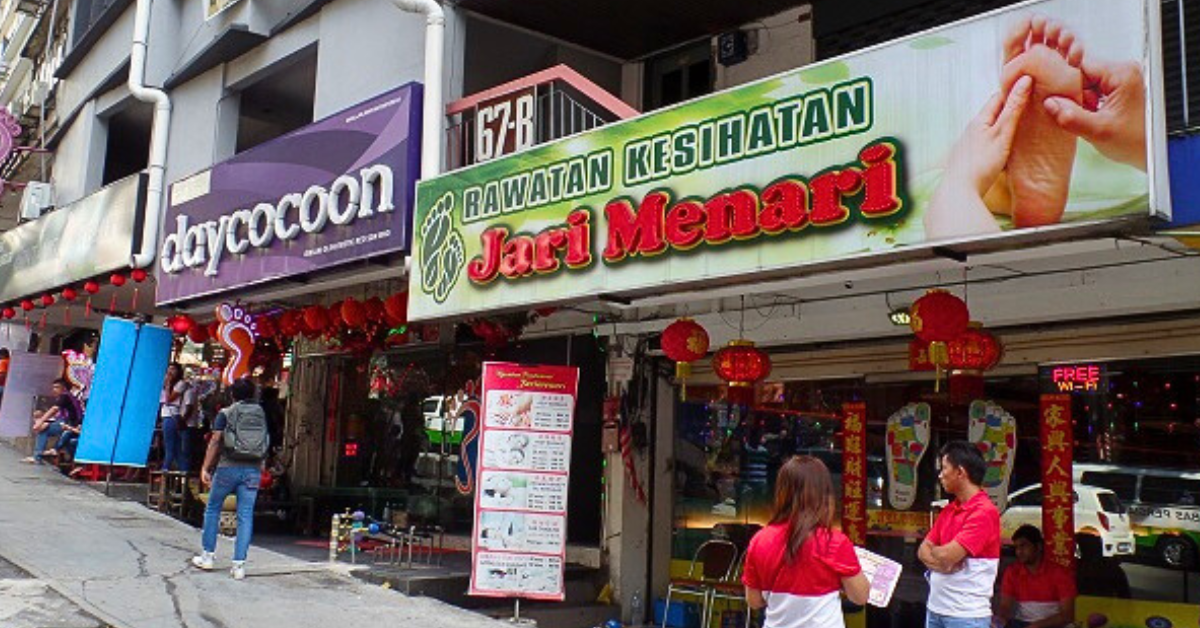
column 1039, row 169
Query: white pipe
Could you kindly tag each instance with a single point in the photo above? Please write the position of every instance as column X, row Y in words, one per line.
column 431, row 111
column 158, row 136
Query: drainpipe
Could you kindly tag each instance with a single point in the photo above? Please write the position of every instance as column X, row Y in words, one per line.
column 432, row 110
column 158, row 136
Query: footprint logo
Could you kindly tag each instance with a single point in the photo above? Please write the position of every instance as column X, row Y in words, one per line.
column 442, row 255
column 994, row 432
column 236, row 332
column 907, row 440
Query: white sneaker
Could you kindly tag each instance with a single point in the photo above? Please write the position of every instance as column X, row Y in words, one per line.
column 238, row 572
column 203, row 561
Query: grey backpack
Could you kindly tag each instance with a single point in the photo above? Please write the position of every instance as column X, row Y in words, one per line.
column 246, row 437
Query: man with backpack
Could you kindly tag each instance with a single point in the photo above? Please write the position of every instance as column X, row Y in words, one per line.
column 237, row 448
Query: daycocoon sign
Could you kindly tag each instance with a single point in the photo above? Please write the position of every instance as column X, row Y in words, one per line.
column 332, row 192
column 960, row 133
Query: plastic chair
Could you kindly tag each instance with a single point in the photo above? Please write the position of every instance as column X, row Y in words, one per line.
column 716, row 559
column 730, row 589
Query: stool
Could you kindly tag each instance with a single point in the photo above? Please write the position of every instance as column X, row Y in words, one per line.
column 424, row 536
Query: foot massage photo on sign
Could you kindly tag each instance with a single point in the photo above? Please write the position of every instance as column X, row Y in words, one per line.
column 1033, row 117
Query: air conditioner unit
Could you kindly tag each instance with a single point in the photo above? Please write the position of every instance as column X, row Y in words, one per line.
column 36, row 199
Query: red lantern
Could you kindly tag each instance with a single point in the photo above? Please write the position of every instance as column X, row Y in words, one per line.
column 117, row 279
column 684, row 341
column 213, row 329
column 334, row 313
column 742, row 365
column 138, row 275
column 91, row 287
column 69, row 294
column 938, row 318
column 198, row 334
column 316, row 319
column 9, row 313
column 975, row 350
column 181, row 324
column 265, row 326
column 47, row 300
column 374, row 308
column 289, row 325
column 354, row 313
column 396, row 308
column 27, row 305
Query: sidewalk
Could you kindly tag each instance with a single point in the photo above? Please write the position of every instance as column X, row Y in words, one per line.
column 128, row 566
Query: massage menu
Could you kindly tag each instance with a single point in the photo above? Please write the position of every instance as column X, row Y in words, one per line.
column 519, row 542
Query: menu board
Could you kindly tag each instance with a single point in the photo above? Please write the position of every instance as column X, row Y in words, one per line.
column 519, row 543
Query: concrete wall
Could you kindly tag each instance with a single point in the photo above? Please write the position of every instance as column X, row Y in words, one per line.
column 778, row 43
column 524, row 53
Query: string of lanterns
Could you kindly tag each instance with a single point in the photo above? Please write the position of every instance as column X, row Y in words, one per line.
column 68, row 295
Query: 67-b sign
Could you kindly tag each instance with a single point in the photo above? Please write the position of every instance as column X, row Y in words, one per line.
column 504, row 125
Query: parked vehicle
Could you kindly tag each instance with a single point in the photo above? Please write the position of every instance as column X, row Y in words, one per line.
column 1101, row 523
column 1164, row 508
column 1102, row 527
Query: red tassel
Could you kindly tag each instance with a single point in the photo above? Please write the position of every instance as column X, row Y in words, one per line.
column 67, row 315
column 133, row 305
column 43, row 323
column 87, row 309
column 28, row 325
column 112, row 305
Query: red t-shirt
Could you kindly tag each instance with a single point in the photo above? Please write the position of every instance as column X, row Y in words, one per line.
column 803, row 592
column 1037, row 594
column 967, row 592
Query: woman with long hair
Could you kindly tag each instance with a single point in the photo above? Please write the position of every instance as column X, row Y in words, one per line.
column 174, row 424
column 798, row 564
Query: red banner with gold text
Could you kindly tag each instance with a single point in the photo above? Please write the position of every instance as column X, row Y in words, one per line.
column 1058, row 504
column 854, row 471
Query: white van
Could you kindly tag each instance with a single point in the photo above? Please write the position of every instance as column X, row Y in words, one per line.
column 1101, row 523
column 1164, row 508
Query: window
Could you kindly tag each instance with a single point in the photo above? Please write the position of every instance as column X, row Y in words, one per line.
column 1169, row 491
column 678, row 76
column 1110, row 503
column 278, row 103
column 127, row 142
column 1031, row 498
column 1124, row 485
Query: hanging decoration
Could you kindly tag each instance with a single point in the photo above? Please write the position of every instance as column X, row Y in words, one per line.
column 69, row 295
column 395, row 308
column 181, row 324
column 684, row 341
column 138, row 275
column 266, row 326
column 8, row 313
column 354, row 314
column 198, row 334
column 47, row 300
column 90, row 287
column 316, row 320
column 939, row 317
column 117, row 280
column 741, row 365
column 374, row 310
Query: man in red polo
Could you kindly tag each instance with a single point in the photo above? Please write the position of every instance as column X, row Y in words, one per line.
column 962, row 551
column 1035, row 593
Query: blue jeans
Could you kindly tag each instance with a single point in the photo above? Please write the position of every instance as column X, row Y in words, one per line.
column 53, row 430
column 67, row 442
column 934, row 620
column 226, row 480
column 176, row 448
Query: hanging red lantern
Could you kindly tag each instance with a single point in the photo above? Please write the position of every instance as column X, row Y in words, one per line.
column 198, row 334
column 354, row 313
column 375, row 310
column 975, row 350
column 939, row 317
column 316, row 319
column 138, row 275
column 741, row 365
column 8, row 313
column 265, row 326
column 289, row 324
column 27, row 305
column 181, row 324
column 47, row 300
column 69, row 294
column 117, row 279
column 91, row 287
column 334, row 313
column 684, row 341
column 396, row 308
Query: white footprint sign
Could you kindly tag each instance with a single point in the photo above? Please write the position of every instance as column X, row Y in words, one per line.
column 907, row 440
column 994, row 432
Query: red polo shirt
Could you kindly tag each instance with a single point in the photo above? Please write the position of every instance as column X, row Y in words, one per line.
column 967, row 592
column 1037, row 594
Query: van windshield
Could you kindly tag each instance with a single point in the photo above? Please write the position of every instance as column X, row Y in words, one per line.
column 430, row 406
column 1110, row 503
column 1123, row 484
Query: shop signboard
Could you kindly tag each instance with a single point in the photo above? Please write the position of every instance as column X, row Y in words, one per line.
column 75, row 242
column 917, row 143
column 335, row 191
column 854, row 471
column 518, row 548
column 1058, row 502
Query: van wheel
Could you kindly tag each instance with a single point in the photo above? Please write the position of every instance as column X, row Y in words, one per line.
column 1087, row 547
column 1177, row 552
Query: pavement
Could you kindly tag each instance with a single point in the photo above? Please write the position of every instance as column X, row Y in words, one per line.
column 77, row 558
